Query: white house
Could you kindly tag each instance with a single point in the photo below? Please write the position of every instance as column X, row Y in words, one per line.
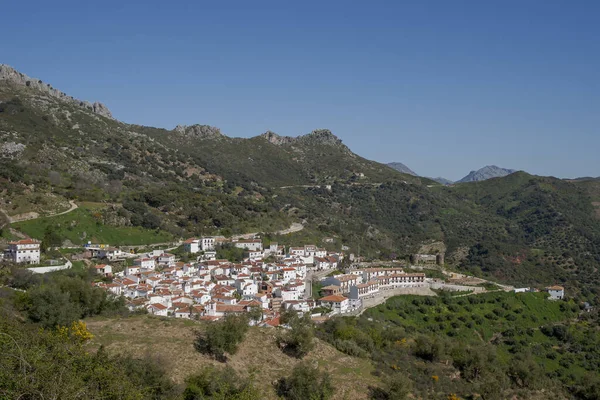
column 249, row 244
column 288, row 294
column 296, row 251
column 114, row 288
column 363, row 290
column 25, row 251
column 110, row 253
column 556, row 292
column 166, row 259
column 158, row 309
column 191, row 246
column 103, row 269
column 145, row 263
column 255, row 254
column 301, row 306
column 345, row 282
column 338, row 304
column 132, row 270
column 207, row 243
column 288, row 274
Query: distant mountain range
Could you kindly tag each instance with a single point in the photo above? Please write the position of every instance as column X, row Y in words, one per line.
column 487, row 172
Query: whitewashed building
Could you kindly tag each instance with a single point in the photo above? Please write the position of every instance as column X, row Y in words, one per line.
column 26, row 251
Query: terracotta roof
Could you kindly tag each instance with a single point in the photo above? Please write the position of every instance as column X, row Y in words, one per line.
column 333, row 298
column 555, row 287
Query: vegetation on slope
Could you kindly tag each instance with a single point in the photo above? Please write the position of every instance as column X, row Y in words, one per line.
column 497, row 344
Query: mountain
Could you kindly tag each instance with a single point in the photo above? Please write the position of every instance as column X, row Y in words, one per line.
column 443, row 181
column 487, row 172
column 398, row 166
column 196, row 180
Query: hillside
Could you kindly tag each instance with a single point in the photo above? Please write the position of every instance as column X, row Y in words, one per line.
column 258, row 355
column 195, row 180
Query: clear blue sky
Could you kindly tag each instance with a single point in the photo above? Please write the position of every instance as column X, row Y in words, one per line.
column 443, row 86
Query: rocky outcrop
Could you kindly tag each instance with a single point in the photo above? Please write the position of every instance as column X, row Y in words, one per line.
column 11, row 149
column 275, row 139
column 14, row 77
column 323, row 136
column 199, row 131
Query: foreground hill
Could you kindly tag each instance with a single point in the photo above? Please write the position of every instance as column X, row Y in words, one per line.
column 194, row 180
column 171, row 341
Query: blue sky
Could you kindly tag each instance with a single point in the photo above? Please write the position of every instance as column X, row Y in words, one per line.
column 442, row 86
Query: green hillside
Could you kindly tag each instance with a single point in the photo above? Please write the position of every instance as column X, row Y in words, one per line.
column 194, row 180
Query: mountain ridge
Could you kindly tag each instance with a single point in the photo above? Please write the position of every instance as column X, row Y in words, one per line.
column 12, row 76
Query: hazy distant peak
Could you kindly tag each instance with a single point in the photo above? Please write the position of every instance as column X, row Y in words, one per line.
column 398, row 166
column 487, row 172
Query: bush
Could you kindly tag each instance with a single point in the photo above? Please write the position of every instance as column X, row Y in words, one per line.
column 298, row 341
column 214, row 383
column 305, row 383
column 428, row 349
column 222, row 337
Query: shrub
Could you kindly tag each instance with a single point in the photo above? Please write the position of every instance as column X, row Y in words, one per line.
column 222, row 337
column 215, row 383
column 305, row 382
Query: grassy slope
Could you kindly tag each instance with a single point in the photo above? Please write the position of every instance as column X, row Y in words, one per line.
column 72, row 225
column 172, row 341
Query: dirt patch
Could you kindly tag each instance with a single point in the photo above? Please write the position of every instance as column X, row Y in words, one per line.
column 596, row 205
column 172, row 341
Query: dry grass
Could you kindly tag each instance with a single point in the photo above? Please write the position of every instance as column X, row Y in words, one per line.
column 172, row 341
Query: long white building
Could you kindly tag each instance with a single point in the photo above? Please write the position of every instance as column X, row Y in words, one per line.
column 23, row 251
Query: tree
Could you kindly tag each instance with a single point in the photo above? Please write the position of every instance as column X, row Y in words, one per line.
column 50, row 307
column 473, row 362
column 219, row 383
column 222, row 337
column 428, row 349
column 255, row 313
column 305, row 383
column 51, row 239
column 54, row 178
column 397, row 387
column 298, row 340
column 4, row 222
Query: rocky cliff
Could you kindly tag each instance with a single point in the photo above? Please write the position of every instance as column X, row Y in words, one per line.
column 14, row 77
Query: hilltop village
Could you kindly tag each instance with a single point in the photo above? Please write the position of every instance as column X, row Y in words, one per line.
column 269, row 279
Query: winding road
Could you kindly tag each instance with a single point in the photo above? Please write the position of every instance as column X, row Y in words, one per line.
column 33, row 215
column 295, row 227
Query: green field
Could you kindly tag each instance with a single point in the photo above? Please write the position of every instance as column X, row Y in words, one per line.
column 84, row 224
